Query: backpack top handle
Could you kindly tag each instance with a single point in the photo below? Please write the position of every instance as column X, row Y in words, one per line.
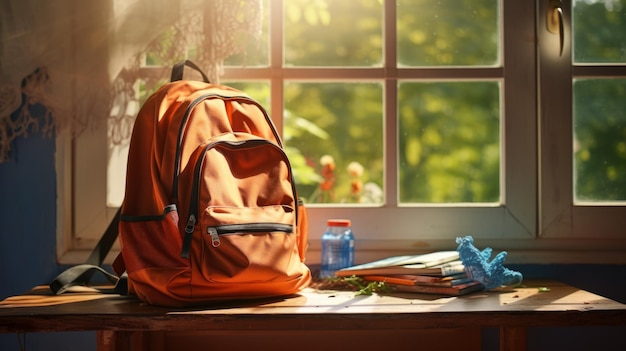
column 177, row 71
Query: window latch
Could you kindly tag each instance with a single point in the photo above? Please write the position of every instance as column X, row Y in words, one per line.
column 554, row 21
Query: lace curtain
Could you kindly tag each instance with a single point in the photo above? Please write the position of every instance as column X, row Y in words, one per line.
column 78, row 61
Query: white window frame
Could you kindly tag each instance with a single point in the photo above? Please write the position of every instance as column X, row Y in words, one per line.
column 555, row 236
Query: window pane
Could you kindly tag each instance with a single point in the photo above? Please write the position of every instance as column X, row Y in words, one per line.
column 449, row 135
column 333, row 33
column 599, row 31
column 256, row 52
column 600, row 139
column 334, row 137
column 448, row 32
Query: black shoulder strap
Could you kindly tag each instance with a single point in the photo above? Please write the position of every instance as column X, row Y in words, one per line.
column 82, row 274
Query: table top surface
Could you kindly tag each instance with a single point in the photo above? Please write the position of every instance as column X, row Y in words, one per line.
column 535, row 303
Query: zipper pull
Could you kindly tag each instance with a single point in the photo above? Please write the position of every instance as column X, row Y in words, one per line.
column 215, row 238
column 191, row 223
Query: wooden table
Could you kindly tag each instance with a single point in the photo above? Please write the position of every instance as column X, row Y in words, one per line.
column 311, row 317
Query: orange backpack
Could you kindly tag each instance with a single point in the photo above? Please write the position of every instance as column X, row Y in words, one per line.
column 210, row 211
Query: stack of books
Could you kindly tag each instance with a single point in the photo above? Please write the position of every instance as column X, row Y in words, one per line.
column 438, row 272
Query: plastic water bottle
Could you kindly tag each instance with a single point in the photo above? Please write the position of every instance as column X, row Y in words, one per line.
column 337, row 247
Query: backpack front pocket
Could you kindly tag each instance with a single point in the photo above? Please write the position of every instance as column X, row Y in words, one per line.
column 246, row 252
column 245, row 203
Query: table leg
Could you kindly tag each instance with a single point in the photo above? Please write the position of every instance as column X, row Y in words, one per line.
column 513, row 339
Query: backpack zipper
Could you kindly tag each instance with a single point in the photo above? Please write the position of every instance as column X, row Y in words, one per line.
column 193, row 205
column 215, row 231
column 191, row 223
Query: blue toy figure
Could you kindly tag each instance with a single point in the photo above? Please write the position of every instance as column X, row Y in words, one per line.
column 490, row 274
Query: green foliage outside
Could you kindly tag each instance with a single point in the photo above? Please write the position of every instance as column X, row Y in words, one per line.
column 449, row 146
column 448, row 33
column 600, row 144
column 343, row 121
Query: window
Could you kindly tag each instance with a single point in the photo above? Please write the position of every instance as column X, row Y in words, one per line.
column 582, row 161
column 461, row 121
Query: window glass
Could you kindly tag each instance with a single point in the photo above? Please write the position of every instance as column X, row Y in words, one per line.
column 448, row 32
column 333, row 33
column 449, row 142
column 600, row 139
column 256, row 53
column 599, row 28
column 334, row 138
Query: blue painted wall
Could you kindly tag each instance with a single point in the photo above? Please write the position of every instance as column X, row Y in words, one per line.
column 27, row 240
column 27, row 258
